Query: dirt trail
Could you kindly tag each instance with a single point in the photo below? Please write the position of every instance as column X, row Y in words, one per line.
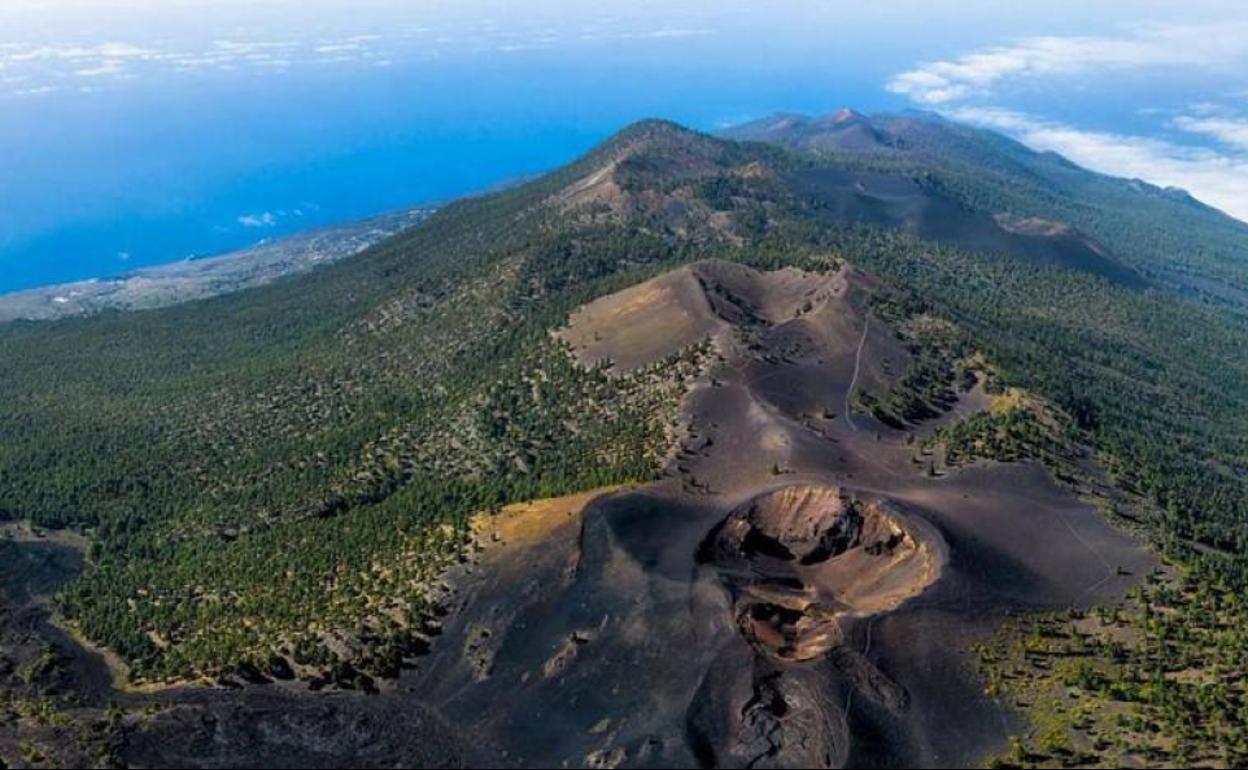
column 853, row 382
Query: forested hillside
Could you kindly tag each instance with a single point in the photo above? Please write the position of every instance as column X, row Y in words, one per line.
column 284, row 472
column 1166, row 234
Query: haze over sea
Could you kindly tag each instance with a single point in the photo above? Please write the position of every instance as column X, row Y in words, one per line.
column 131, row 136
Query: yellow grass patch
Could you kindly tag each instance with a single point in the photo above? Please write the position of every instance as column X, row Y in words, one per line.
column 531, row 522
column 1009, row 401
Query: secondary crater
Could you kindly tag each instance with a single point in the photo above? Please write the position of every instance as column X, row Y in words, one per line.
column 802, row 559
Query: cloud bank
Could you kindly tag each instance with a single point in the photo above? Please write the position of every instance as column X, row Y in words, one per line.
column 1208, row 155
column 31, row 69
column 976, row 74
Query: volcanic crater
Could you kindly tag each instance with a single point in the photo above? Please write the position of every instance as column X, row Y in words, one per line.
column 802, row 558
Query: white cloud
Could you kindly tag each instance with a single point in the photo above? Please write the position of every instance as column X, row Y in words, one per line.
column 36, row 91
column 349, row 47
column 123, row 51
column 668, row 32
column 53, row 63
column 1216, row 171
column 103, row 51
column 48, row 65
column 208, row 47
column 977, row 73
column 521, row 47
column 267, row 219
column 107, row 67
column 1217, row 178
column 1230, row 131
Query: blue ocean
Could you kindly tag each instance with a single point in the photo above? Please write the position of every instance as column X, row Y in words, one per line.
column 175, row 137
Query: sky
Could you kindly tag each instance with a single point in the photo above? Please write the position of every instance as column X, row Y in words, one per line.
column 134, row 133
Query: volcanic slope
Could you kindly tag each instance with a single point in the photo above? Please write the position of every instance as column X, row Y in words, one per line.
column 274, row 482
column 950, row 181
column 797, row 592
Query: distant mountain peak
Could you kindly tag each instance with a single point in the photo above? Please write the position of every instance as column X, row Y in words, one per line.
column 845, row 130
column 846, row 115
column 649, row 131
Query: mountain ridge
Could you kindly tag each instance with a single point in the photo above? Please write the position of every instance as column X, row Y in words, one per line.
column 904, row 135
column 1136, row 220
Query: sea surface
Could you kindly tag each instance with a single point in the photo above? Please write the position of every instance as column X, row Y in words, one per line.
column 145, row 134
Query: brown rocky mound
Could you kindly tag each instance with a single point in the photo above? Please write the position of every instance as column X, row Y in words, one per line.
column 640, row 325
